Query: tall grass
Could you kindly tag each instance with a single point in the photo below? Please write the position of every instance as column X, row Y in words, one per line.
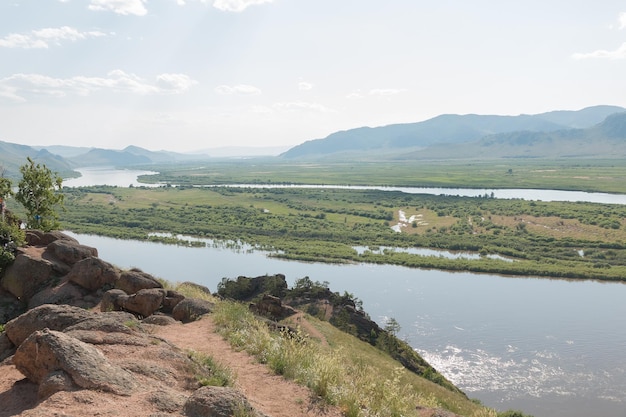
column 335, row 375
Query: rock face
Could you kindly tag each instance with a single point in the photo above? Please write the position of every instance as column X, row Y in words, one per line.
column 47, row 351
column 272, row 307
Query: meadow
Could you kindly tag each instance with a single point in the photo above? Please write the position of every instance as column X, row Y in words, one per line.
column 513, row 237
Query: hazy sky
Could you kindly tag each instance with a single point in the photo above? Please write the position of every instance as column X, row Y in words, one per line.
column 195, row 74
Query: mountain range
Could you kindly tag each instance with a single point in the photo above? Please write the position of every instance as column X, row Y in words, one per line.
column 425, row 139
column 598, row 131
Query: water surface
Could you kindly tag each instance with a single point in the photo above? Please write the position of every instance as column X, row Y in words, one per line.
column 552, row 348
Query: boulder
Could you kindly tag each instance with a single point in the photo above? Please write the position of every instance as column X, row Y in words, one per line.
column 113, row 300
column 159, row 320
column 54, row 317
column 111, row 322
column 26, row 276
column 218, row 402
column 272, row 307
column 69, row 251
column 93, row 273
column 47, row 351
column 191, row 309
column 64, row 293
column 54, row 382
column 134, row 280
column 10, row 306
column 39, row 238
column 144, row 302
column 171, row 299
column 6, row 347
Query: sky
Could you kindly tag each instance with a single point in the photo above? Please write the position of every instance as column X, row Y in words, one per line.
column 186, row 75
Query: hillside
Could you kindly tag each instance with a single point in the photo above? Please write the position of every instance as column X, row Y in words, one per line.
column 604, row 140
column 88, row 336
column 446, row 130
column 13, row 155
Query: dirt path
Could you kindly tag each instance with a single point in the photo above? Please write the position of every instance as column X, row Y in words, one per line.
column 271, row 394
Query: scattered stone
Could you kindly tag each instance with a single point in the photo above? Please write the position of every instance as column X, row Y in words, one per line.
column 191, row 309
column 166, row 400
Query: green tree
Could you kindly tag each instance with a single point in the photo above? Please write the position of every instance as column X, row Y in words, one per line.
column 39, row 191
column 392, row 326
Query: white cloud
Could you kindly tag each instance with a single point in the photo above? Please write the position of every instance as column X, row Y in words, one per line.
column 386, row 91
column 42, row 38
column 237, row 5
column 240, row 89
column 622, row 20
column 123, row 7
column 303, row 105
column 304, row 86
column 17, row 86
column 619, row 53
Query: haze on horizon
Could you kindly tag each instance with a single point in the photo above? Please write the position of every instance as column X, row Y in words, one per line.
column 196, row 74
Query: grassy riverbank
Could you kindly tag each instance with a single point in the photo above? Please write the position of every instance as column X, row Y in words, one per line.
column 557, row 239
column 563, row 174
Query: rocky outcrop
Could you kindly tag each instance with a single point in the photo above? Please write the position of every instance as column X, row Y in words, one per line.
column 272, row 308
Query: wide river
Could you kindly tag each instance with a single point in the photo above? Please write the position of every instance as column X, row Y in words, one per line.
column 552, row 348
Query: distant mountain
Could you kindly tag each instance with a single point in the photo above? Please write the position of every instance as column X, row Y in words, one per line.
column 13, row 155
column 604, row 140
column 107, row 157
column 445, row 129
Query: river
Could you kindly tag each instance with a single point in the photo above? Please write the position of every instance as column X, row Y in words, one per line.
column 125, row 177
column 552, row 348
column 549, row 347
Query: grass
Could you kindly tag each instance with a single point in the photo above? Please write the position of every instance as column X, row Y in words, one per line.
column 210, row 372
column 348, row 373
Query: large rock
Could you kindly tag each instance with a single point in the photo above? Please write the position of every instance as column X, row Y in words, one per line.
column 218, row 402
column 191, row 309
column 26, row 276
column 272, row 307
column 6, row 347
column 40, row 238
column 10, row 306
column 113, row 300
column 145, row 302
column 48, row 351
column 69, row 251
column 64, row 293
column 172, row 298
column 54, row 317
column 93, row 273
column 134, row 280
